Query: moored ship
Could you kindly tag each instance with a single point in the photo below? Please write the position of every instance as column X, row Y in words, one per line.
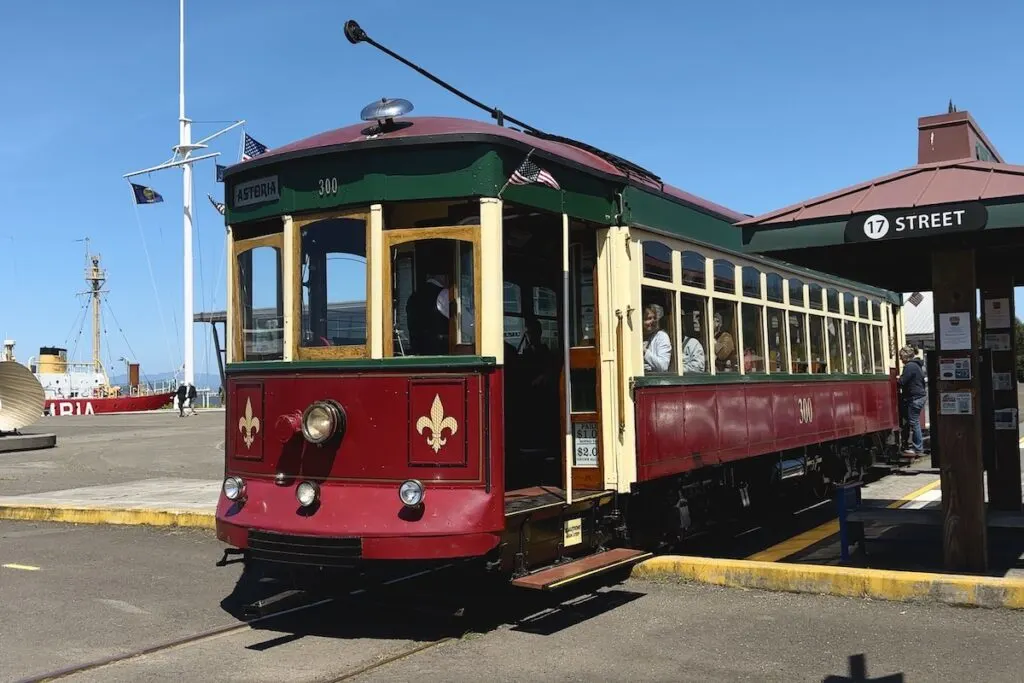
column 83, row 388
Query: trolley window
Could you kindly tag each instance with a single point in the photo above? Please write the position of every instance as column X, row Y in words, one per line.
column 694, row 338
column 798, row 342
column 332, row 272
column 751, row 282
column 259, row 299
column 835, row 345
column 774, row 282
column 753, row 338
column 694, row 273
column 777, row 354
column 725, row 276
column 724, row 329
column 657, row 261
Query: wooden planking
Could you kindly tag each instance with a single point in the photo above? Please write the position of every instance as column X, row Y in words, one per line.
column 554, row 577
column 965, row 541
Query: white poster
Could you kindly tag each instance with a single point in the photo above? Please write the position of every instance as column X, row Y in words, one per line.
column 1002, row 381
column 953, row 369
column 956, row 403
column 1006, row 418
column 999, row 341
column 954, row 331
column 584, row 436
column 997, row 314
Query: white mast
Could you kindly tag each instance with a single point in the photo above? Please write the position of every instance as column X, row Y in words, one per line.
column 184, row 149
column 183, row 157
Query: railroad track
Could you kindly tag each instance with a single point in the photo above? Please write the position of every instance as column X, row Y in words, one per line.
column 248, row 625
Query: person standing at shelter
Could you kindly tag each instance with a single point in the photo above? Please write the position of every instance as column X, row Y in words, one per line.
column 913, row 396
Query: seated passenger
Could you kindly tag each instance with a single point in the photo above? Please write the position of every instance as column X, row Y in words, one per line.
column 657, row 345
column 725, row 347
column 693, row 355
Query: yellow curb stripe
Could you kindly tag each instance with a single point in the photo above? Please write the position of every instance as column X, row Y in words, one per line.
column 795, row 544
column 914, row 495
column 23, row 567
column 980, row 591
column 39, row 513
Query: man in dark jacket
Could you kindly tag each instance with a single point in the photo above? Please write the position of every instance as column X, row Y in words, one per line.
column 912, row 392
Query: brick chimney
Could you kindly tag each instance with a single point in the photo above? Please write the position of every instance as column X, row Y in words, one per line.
column 952, row 136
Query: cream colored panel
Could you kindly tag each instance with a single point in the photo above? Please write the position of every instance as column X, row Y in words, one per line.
column 490, row 310
column 229, row 300
column 375, row 289
column 288, row 260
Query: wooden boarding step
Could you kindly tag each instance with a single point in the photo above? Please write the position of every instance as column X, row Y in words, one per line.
column 555, row 577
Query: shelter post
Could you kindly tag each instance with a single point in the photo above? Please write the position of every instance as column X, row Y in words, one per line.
column 998, row 335
column 958, row 422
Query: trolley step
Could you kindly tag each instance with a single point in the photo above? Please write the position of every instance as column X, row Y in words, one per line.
column 591, row 565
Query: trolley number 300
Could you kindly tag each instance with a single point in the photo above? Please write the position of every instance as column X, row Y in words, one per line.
column 328, row 186
column 806, row 410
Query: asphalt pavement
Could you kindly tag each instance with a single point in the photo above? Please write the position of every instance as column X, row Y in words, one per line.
column 76, row 594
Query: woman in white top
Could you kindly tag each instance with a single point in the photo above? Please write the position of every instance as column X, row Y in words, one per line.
column 657, row 345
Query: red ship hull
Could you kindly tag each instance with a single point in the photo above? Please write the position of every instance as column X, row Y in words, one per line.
column 112, row 404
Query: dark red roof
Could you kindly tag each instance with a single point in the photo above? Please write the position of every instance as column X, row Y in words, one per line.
column 433, row 126
column 944, row 182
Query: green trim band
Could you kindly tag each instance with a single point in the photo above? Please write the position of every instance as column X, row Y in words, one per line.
column 401, row 363
column 754, row 378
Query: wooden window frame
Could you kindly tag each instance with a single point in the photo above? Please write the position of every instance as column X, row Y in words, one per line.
column 239, row 247
column 300, row 352
column 710, row 295
column 459, row 233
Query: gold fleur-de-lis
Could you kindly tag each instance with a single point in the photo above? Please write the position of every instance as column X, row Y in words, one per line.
column 249, row 425
column 437, row 423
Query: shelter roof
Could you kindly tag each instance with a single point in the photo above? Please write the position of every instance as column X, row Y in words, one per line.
column 944, row 182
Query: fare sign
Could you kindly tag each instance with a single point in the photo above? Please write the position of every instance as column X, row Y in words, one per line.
column 922, row 221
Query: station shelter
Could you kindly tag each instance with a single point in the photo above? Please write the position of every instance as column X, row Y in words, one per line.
column 952, row 224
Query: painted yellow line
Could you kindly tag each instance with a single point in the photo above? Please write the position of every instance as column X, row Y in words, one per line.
column 40, row 513
column 793, row 545
column 25, row 567
column 797, row 543
column 1021, row 441
column 914, row 495
column 882, row 584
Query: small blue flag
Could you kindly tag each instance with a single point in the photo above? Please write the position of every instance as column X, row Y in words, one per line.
column 220, row 173
column 145, row 195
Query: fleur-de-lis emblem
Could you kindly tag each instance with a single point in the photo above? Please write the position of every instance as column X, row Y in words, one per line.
column 437, row 423
column 249, row 425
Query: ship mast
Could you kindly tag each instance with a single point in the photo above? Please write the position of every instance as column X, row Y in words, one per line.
column 183, row 157
column 95, row 278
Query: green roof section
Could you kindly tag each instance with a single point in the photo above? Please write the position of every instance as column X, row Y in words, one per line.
column 361, row 170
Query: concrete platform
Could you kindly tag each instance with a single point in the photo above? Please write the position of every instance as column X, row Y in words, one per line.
column 11, row 443
column 156, row 502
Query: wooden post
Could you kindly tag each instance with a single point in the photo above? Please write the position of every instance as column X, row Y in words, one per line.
column 998, row 335
column 957, row 425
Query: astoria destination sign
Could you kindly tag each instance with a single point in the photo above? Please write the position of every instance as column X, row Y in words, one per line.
column 257, row 191
column 916, row 222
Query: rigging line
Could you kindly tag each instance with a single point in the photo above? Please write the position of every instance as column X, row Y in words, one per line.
column 152, row 278
column 123, row 336
column 202, row 292
column 74, row 323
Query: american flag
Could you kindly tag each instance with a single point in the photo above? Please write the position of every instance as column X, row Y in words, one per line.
column 217, row 205
column 252, row 148
column 916, row 298
column 529, row 172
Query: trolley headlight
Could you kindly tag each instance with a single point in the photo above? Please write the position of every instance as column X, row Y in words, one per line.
column 411, row 493
column 322, row 420
column 234, row 488
column 307, row 493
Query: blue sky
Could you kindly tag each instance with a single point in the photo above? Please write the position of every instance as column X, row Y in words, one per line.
column 751, row 106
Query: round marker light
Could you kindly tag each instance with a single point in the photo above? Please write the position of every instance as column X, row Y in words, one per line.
column 322, row 420
column 411, row 493
column 307, row 493
column 234, row 488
